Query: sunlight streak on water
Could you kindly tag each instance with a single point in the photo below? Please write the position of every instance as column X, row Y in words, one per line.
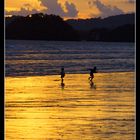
column 39, row 108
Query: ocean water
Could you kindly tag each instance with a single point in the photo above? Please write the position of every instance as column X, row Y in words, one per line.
column 39, row 107
column 29, row 58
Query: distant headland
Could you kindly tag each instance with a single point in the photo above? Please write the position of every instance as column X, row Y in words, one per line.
column 119, row 28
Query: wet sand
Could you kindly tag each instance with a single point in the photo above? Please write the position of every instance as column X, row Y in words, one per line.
column 40, row 108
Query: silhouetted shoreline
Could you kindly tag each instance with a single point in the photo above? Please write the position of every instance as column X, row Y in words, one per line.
column 54, row 28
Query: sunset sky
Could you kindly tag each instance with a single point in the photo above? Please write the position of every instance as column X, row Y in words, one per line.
column 70, row 8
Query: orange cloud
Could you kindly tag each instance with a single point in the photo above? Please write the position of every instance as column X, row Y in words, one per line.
column 67, row 8
column 49, row 7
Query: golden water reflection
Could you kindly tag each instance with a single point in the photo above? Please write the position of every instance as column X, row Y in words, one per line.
column 40, row 108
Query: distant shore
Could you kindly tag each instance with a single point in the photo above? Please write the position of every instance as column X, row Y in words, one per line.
column 119, row 28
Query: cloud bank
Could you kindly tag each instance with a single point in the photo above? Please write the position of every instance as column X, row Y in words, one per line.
column 131, row 1
column 53, row 7
column 50, row 7
column 105, row 10
column 25, row 10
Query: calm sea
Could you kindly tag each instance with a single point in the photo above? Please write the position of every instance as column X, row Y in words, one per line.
column 40, row 108
column 28, row 58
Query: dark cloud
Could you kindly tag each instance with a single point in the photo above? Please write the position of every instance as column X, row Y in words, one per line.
column 131, row 1
column 22, row 12
column 53, row 7
column 71, row 10
column 50, row 7
column 105, row 10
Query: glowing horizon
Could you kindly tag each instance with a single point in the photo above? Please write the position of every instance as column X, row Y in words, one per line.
column 71, row 9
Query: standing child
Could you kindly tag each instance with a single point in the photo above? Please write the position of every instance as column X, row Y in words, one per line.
column 62, row 74
column 92, row 71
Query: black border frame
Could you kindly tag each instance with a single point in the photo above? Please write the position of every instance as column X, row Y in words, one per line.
column 2, row 69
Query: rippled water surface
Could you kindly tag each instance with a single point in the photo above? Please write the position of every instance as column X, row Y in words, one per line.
column 47, row 57
column 39, row 108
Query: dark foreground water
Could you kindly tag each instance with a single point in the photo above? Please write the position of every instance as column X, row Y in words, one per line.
column 24, row 58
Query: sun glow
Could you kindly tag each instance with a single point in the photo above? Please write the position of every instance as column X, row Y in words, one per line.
column 85, row 11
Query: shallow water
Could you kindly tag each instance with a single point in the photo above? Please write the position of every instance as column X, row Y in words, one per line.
column 39, row 108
